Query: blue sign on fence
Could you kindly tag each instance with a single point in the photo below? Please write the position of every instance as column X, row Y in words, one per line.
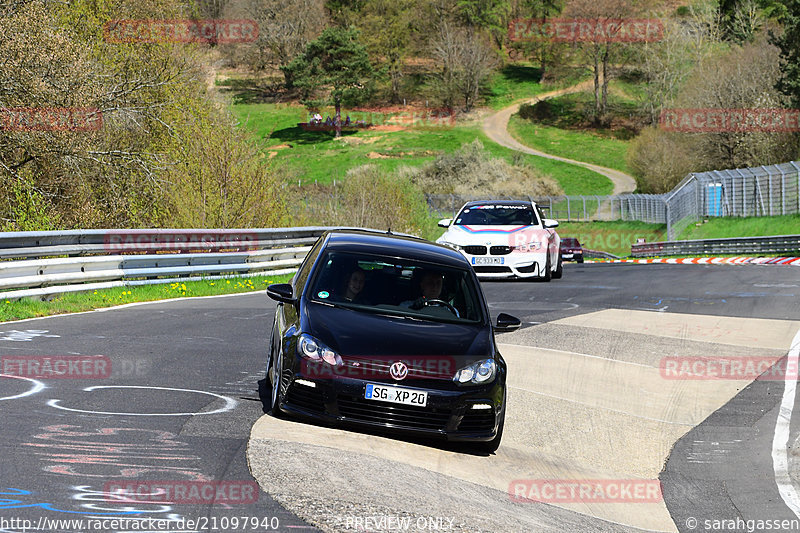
column 714, row 202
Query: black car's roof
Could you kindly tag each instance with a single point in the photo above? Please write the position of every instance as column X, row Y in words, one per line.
column 387, row 244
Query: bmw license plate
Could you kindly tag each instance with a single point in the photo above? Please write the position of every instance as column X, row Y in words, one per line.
column 396, row 395
column 487, row 260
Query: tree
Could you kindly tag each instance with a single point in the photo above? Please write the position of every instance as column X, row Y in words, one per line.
column 345, row 13
column 789, row 44
column 489, row 15
column 285, row 28
column 741, row 20
column 542, row 50
column 603, row 50
column 464, row 61
column 386, row 26
column 665, row 64
column 335, row 62
column 743, row 78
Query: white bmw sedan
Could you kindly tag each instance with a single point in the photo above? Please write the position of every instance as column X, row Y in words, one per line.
column 505, row 239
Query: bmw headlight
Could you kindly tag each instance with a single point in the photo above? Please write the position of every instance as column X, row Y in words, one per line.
column 530, row 246
column 478, row 372
column 312, row 349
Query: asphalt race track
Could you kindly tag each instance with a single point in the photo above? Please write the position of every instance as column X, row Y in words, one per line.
column 589, row 399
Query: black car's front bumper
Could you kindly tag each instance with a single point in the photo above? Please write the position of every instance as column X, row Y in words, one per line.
column 449, row 413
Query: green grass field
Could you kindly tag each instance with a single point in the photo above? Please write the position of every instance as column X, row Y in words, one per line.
column 512, row 83
column 572, row 144
column 87, row 301
column 317, row 157
column 564, row 129
column 719, row 228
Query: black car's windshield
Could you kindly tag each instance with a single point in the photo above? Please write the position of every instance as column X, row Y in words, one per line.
column 396, row 286
column 497, row 215
column 572, row 243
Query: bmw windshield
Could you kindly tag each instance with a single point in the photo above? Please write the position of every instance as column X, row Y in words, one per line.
column 497, row 215
column 399, row 287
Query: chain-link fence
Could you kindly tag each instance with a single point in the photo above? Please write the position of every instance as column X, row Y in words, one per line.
column 759, row 191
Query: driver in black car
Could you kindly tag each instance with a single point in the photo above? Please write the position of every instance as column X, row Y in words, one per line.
column 430, row 285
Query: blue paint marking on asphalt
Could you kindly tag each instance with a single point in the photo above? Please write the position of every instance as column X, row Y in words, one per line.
column 751, row 294
column 683, row 299
column 19, row 504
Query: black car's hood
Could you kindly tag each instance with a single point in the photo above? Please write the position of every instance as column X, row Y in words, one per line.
column 356, row 333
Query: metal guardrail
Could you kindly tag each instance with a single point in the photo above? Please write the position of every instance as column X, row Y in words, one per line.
column 777, row 244
column 95, row 259
column 597, row 254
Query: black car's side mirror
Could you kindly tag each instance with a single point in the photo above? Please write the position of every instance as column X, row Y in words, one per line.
column 506, row 323
column 281, row 292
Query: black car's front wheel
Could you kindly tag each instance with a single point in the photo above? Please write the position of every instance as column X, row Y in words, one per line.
column 492, row 445
column 274, row 375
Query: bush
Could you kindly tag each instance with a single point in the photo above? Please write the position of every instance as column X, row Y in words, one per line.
column 542, row 110
column 660, row 159
column 471, row 171
column 27, row 208
column 369, row 198
column 222, row 180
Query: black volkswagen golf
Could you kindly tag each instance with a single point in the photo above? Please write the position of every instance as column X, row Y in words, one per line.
column 390, row 332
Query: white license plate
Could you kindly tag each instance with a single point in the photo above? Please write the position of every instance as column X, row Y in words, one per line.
column 566, row 256
column 487, row 260
column 396, row 395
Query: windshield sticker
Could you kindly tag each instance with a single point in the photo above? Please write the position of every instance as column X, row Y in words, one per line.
column 323, row 294
column 502, row 207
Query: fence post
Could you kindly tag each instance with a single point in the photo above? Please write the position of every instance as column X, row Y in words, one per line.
column 569, row 214
column 670, row 237
column 798, row 184
column 769, row 189
column 783, row 191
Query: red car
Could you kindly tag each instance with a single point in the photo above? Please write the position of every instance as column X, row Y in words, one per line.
column 571, row 250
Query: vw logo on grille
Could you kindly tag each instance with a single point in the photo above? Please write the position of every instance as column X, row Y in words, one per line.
column 398, row 370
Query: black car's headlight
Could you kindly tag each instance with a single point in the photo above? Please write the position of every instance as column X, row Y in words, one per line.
column 478, row 372
column 313, row 349
column 452, row 245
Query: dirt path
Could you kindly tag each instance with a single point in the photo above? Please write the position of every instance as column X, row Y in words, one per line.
column 496, row 128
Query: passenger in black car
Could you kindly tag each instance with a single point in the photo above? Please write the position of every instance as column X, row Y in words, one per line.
column 354, row 286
